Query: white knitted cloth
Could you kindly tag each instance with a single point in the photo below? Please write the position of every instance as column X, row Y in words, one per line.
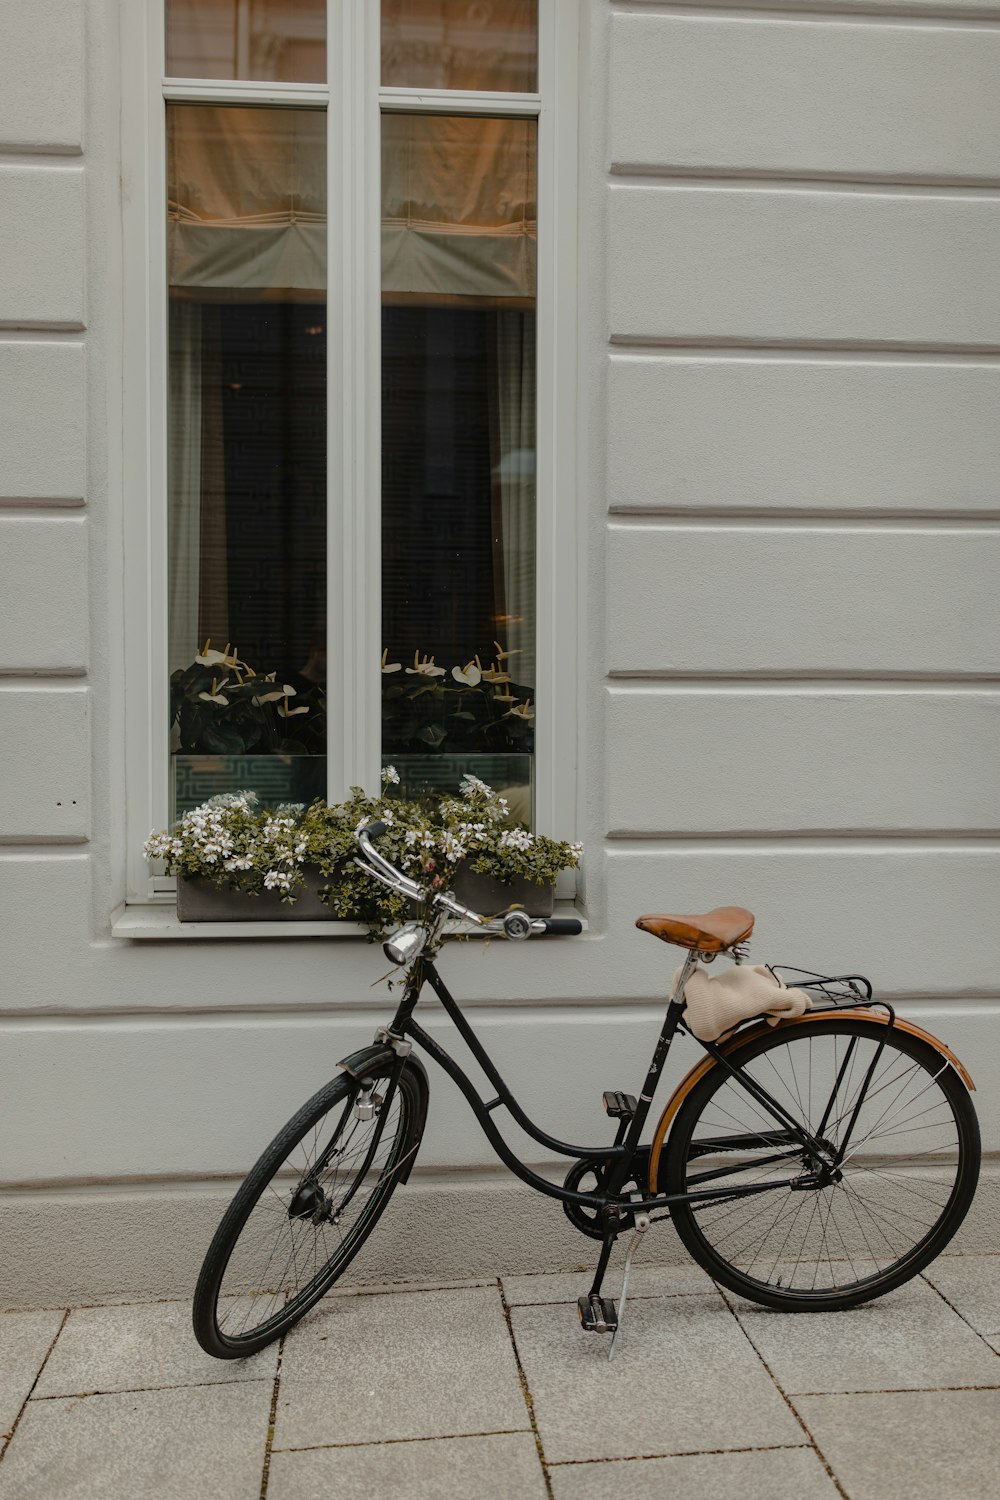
column 714, row 1006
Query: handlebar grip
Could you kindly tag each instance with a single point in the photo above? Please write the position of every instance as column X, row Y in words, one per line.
column 563, row 926
column 374, row 830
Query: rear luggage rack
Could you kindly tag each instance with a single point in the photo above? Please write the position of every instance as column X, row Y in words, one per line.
column 831, row 991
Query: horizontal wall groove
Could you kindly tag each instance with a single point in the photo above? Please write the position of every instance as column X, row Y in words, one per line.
column 817, row 12
column 651, row 345
column 820, row 840
column 37, row 326
column 300, row 1013
column 627, row 350
column 813, row 678
column 16, row 333
column 815, row 684
column 550, row 1010
column 627, row 174
column 33, row 156
column 905, row 844
column 796, row 520
column 23, row 676
column 17, row 508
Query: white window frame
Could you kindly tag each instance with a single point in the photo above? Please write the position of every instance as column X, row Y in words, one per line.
column 355, row 102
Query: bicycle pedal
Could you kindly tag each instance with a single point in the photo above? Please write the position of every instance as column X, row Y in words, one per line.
column 618, row 1105
column 598, row 1314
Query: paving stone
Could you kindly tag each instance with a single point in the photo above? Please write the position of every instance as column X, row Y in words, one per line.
column 778, row 1474
column 140, row 1348
column 143, row 1445
column 363, row 1369
column 972, row 1285
column 643, row 1281
column 25, row 1339
column 684, row 1379
column 915, row 1445
column 907, row 1340
column 489, row 1468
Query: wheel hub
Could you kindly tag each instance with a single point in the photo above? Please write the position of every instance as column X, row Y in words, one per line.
column 309, row 1202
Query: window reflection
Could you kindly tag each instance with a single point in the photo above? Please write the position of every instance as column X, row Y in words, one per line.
column 247, row 453
column 460, row 44
column 458, row 440
column 280, row 41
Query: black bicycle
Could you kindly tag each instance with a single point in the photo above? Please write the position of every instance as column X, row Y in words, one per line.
column 811, row 1164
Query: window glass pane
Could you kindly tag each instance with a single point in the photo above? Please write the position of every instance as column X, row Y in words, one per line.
column 278, row 41
column 458, row 466
column 246, row 452
column 460, row 44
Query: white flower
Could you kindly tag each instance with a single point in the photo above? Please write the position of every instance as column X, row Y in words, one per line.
column 470, row 784
column 388, row 818
column 502, row 655
column 520, row 711
column 390, row 666
column 454, row 851
column 409, row 838
column 470, row 674
column 277, row 880
column 390, row 776
column 423, row 666
column 516, row 838
column 285, row 711
column 216, row 695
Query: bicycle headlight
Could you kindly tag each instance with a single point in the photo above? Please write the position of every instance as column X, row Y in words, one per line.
column 406, row 944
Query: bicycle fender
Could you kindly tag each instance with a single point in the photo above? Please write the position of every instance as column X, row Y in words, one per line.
column 368, row 1059
column 697, row 1073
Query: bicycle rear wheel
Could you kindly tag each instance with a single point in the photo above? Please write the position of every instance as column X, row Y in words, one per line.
column 904, row 1186
column 305, row 1209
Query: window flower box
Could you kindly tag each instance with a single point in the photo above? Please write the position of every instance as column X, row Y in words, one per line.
column 228, row 850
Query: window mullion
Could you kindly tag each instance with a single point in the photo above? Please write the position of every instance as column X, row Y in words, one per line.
column 558, row 523
column 353, row 407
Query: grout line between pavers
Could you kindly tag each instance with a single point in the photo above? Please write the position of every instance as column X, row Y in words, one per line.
column 786, row 1398
column 271, row 1420
column 438, row 1437
column 529, row 1400
column 14, row 1425
column 638, row 1458
column 898, row 1390
column 985, row 1337
column 148, row 1390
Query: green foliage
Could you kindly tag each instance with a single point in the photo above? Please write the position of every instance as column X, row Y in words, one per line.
column 472, row 708
column 235, row 845
column 221, row 706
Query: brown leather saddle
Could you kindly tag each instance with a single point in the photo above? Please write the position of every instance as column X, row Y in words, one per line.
column 710, row 932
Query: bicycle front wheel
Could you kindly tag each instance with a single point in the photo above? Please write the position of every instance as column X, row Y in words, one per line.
column 305, row 1209
column 904, row 1185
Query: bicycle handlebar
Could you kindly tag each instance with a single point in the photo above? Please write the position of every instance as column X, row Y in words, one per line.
column 380, row 868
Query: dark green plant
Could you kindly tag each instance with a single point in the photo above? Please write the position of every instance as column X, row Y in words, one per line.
column 221, row 706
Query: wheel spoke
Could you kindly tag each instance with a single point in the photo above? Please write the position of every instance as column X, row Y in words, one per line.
column 852, row 1229
column 275, row 1263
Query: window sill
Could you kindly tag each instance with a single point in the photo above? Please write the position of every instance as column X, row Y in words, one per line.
column 157, row 922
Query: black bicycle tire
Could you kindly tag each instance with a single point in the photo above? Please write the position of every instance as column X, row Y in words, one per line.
column 685, row 1219
column 207, row 1291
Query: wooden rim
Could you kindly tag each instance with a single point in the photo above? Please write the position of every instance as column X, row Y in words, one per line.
column 697, row 1073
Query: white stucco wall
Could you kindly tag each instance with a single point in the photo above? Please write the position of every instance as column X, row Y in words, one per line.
column 788, row 643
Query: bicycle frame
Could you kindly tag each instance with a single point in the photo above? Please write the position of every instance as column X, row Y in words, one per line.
column 623, row 1153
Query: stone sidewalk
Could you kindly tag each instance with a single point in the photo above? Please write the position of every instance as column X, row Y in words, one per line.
column 489, row 1390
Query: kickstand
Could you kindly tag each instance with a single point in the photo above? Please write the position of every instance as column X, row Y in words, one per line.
column 641, row 1225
